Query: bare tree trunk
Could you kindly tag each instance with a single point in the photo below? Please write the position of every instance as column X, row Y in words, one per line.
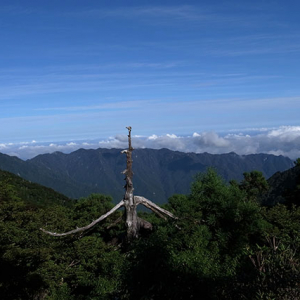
column 130, row 202
column 132, row 222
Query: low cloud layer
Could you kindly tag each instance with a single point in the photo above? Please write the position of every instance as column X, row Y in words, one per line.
column 284, row 141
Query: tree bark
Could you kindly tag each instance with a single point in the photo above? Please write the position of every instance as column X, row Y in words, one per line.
column 132, row 221
column 155, row 208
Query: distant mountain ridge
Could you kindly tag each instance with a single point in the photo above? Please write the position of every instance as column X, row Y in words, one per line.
column 158, row 174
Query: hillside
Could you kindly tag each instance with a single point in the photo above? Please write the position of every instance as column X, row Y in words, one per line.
column 158, row 174
column 284, row 188
column 44, row 176
column 32, row 193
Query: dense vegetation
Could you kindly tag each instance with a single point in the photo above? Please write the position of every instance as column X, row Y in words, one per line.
column 225, row 245
column 33, row 193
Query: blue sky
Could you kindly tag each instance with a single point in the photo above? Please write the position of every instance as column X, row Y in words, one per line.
column 78, row 72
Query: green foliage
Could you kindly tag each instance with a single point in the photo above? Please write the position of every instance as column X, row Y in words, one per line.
column 80, row 267
column 274, row 273
column 231, row 218
column 90, row 208
column 254, row 184
column 285, row 223
column 19, row 248
column 170, row 265
column 292, row 196
column 40, row 266
column 284, row 188
column 31, row 193
column 202, row 253
column 297, row 162
column 223, row 246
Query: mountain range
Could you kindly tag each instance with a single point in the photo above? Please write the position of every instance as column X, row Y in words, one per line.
column 158, row 174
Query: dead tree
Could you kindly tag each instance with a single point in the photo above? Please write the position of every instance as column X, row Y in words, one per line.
column 130, row 202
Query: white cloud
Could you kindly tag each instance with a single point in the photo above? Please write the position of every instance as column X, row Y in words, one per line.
column 207, row 139
column 183, row 12
column 153, row 137
column 284, row 140
column 172, row 136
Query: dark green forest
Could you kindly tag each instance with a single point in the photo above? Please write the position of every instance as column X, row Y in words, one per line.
column 227, row 243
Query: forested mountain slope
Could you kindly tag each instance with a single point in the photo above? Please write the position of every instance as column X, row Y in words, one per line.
column 31, row 193
column 284, row 188
column 158, row 174
column 44, row 176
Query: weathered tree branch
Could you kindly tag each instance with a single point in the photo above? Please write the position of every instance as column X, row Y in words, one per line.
column 155, row 208
column 120, row 204
column 155, row 211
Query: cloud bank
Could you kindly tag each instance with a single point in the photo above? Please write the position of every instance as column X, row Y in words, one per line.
column 284, row 140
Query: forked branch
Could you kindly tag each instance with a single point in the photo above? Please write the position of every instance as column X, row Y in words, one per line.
column 120, row 204
column 155, row 208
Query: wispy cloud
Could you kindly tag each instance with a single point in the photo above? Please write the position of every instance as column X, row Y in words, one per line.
column 126, row 76
column 258, row 49
column 103, row 118
column 105, row 106
column 16, row 10
column 182, row 12
column 213, row 15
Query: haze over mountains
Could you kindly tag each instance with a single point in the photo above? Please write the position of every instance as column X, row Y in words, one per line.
column 283, row 140
column 158, row 174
